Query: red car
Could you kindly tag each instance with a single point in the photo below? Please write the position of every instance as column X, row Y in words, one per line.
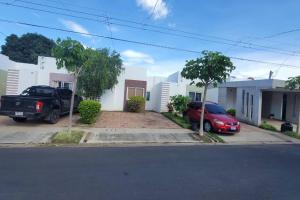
column 215, row 118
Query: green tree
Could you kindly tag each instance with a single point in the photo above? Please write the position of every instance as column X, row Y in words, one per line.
column 27, row 48
column 71, row 55
column 100, row 74
column 293, row 83
column 211, row 68
column 179, row 103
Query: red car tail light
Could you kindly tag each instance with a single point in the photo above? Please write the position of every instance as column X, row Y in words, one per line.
column 39, row 106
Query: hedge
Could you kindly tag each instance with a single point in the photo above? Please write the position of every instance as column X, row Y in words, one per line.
column 89, row 110
column 136, row 104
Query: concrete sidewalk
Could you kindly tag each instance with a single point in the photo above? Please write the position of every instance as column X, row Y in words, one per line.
column 123, row 136
column 253, row 135
column 26, row 135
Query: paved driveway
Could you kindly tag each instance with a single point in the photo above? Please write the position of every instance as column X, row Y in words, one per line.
column 8, row 122
column 252, row 134
column 149, row 120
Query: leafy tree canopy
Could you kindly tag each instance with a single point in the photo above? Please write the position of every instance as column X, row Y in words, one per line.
column 27, row 48
column 293, row 83
column 71, row 55
column 211, row 68
column 101, row 73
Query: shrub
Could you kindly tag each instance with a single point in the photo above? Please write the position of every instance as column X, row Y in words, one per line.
column 136, row 104
column 179, row 103
column 231, row 111
column 267, row 126
column 89, row 110
column 170, row 107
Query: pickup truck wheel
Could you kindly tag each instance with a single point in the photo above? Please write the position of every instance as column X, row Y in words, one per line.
column 19, row 119
column 53, row 116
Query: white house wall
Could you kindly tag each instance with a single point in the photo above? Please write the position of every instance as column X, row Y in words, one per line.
column 113, row 100
column 276, row 105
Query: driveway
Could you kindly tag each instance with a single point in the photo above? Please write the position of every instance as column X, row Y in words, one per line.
column 8, row 122
column 150, row 120
column 252, row 134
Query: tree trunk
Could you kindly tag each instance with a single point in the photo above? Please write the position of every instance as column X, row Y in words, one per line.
column 72, row 103
column 202, row 112
column 298, row 125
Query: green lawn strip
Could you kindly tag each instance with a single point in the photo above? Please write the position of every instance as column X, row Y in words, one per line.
column 269, row 127
column 215, row 137
column 178, row 120
column 64, row 137
column 293, row 134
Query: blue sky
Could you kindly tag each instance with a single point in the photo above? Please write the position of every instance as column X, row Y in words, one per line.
column 240, row 21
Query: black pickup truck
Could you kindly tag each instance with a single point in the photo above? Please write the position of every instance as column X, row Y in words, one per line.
column 38, row 102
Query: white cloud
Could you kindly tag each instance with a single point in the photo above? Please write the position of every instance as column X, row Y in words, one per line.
column 132, row 58
column 156, row 8
column 75, row 27
column 172, row 25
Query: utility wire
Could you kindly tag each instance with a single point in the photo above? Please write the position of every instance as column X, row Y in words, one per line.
column 139, row 42
column 104, row 21
column 282, row 33
column 246, row 44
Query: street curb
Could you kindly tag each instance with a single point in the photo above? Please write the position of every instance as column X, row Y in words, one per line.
column 84, row 138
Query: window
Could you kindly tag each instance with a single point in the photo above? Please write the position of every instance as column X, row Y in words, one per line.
column 243, row 102
column 135, row 91
column 195, row 96
column 294, row 106
column 247, row 105
column 251, row 107
column 148, row 96
column 61, row 84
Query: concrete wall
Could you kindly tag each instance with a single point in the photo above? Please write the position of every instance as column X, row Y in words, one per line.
column 276, row 105
column 293, row 107
column 3, row 77
column 154, row 87
column 266, row 105
column 213, row 95
column 113, row 100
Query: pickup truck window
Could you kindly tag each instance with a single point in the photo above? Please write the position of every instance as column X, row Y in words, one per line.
column 40, row 92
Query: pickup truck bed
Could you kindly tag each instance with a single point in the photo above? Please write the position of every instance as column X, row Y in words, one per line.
column 38, row 102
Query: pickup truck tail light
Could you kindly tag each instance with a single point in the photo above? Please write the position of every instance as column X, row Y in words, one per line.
column 39, row 106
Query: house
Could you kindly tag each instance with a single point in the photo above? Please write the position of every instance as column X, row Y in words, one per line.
column 19, row 76
column 133, row 81
column 255, row 100
column 157, row 90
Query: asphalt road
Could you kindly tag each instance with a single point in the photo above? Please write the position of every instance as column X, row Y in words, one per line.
column 141, row 173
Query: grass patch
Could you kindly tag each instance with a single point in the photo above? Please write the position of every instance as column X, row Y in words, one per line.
column 292, row 134
column 64, row 137
column 215, row 137
column 178, row 120
column 267, row 126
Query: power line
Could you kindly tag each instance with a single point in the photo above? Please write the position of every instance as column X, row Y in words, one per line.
column 152, row 12
column 236, row 44
column 282, row 33
column 192, row 35
column 139, row 42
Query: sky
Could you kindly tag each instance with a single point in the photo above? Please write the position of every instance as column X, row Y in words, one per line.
column 243, row 29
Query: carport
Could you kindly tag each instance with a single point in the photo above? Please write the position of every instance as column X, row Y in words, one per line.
column 280, row 105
